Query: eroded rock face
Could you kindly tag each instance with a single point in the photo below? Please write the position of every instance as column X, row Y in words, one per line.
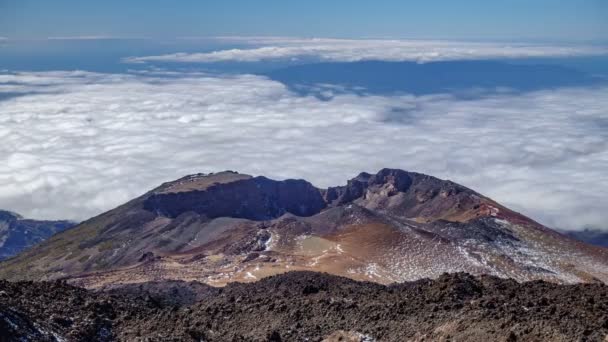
column 411, row 195
column 402, row 193
column 398, row 192
column 256, row 198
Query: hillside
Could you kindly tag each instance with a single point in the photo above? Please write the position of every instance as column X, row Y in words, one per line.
column 392, row 226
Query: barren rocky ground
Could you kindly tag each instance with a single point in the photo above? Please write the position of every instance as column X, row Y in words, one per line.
column 300, row 306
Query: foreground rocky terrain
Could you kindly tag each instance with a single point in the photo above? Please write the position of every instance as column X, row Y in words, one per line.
column 304, row 305
column 392, row 226
column 18, row 233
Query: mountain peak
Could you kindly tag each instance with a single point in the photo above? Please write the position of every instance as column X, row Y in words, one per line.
column 386, row 227
column 201, row 181
column 414, row 196
column 397, row 192
column 231, row 194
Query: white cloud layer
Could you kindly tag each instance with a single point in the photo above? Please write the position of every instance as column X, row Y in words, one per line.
column 77, row 143
column 350, row 50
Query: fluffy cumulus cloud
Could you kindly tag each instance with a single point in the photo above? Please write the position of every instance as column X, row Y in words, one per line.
column 350, row 50
column 76, row 143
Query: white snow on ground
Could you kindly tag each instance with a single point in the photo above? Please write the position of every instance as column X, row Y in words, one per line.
column 339, row 249
column 371, row 271
column 364, row 337
column 501, row 221
column 58, row 338
column 11, row 323
column 468, row 257
column 315, row 260
column 529, row 258
column 269, row 243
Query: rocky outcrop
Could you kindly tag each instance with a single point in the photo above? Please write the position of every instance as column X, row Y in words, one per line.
column 402, row 193
column 256, row 198
column 413, row 195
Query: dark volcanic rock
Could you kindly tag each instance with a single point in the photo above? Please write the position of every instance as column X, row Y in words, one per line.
column 165, row 293
column 256, row 198
column 310, row 306
column 260, row 198
column 409, row 194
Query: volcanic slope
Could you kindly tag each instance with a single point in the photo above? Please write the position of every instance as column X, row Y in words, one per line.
column 392, row 226
column 308, row 306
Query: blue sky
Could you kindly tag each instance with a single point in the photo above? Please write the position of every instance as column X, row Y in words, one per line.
column 471, row 19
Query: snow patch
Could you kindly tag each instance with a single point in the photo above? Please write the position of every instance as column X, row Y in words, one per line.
column 371, row 270
column 269, row 244
column 339, row 249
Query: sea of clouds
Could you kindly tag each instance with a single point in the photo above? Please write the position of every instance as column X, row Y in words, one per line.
column 75, row 144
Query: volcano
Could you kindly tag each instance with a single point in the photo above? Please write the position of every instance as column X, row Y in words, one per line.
column 388, row 227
